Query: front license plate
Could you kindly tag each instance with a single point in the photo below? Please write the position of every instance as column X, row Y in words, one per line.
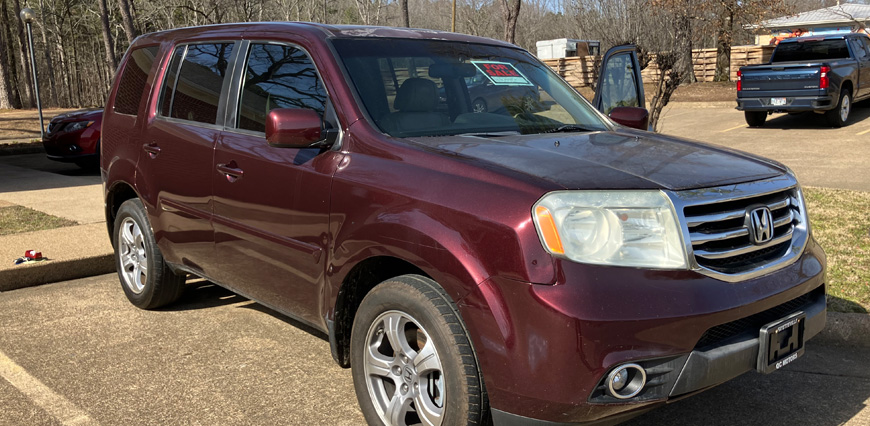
column 781, row 342
column 777, row 101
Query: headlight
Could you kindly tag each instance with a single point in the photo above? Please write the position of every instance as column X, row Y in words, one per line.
column 622, row 228
column 78, row 125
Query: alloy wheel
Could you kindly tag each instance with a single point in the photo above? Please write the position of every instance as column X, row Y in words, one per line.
column 134, row 261
column 403, row 371
column 845, row 107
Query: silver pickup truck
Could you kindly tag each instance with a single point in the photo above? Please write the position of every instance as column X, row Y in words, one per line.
column 821, row 74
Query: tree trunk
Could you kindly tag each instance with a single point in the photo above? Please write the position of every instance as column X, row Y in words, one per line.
column 510, row 11
column 129, row 23
column 683, row 45
column 49, row 65
column 25, row 75
column 8, row 94
column 107, row 37
column 406, row 19
column 723, row 46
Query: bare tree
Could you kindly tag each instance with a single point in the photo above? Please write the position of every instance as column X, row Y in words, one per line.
column 406, row 19
column 107, row 37
column 127, row 18
column 510, row 10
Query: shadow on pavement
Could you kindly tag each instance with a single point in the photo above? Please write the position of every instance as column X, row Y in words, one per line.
column 858, row 118
column 31, row 172
column 842, row 305
column 202, row 294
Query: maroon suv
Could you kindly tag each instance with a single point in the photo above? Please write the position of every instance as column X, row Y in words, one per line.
column 534, row 263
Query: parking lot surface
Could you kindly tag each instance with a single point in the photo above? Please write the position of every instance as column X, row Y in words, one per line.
column 819, row 155
column 77, row 353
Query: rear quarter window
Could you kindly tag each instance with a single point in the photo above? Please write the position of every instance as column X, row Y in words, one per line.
column 192, row 88
column 134, row 76
column 815, row 50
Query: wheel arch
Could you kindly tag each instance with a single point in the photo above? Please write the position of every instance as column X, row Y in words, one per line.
column 117, row 194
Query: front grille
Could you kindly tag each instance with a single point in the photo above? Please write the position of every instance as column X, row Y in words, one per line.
column 753, row 323
column 720, row 234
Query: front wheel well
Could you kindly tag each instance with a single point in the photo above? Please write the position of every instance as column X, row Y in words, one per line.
column 358, row 282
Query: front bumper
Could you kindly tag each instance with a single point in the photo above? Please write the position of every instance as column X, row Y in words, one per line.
column 544, row 350
column 793, row 104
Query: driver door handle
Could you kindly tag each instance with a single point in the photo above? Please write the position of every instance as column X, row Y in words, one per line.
column 152, row 149
column 231, row 171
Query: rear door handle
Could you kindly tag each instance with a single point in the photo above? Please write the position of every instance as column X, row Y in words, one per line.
column 152, row 149
column 231, row 171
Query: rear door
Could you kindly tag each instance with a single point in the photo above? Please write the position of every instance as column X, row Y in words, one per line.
column 178, row 151
column 619, row 80
column 271, row 204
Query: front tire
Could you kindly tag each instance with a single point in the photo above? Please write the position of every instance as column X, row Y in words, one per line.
column 146, row 279
column 838, row 116
column 412, row 359
column 755, row 118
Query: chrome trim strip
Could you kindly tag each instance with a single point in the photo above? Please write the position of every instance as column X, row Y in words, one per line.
column 784, row 220
column 702, row 237
column 715, row 217
column 722, row 254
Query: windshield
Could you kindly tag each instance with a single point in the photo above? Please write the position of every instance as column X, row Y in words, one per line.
column 438, row 88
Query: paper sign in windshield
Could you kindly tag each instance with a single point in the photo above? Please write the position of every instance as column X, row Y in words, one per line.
column 501, row 73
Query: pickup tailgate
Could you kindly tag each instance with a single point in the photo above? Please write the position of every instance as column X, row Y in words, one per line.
column 767, row 80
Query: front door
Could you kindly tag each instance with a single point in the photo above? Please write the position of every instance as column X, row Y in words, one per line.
column 271, row 205
column 619, row 80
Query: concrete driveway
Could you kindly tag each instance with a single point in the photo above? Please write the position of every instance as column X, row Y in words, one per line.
column 77, row 353
column 819, row 155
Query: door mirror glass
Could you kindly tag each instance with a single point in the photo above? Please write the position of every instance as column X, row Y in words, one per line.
column 633, row 117
column 619, row 81
column 293, row 128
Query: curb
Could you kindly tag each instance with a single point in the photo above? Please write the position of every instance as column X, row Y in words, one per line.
column 20, row 148
column 845, row 330
column 48, row 272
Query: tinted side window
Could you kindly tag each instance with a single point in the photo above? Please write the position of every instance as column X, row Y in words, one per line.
column 859, row 49
column 198, row 86
column 133, row 79
column 169, row 81
column 277, row 76
column 810, row 50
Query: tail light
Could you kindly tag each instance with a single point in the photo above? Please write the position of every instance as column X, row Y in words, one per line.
column 739, row 80
column 824, row 82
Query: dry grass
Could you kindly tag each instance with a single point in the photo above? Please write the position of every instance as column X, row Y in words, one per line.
column 841, row 224
column 17, row 219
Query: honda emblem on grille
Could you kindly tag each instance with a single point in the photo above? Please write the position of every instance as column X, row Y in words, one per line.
column 760, row 224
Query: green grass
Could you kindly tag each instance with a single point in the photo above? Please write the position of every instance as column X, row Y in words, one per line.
column 840, row 222
column 17, row 219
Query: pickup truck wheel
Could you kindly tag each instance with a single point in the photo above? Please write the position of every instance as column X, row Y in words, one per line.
column 755, row 118
column 411, row 358
column 147, row 280
column 838, row 116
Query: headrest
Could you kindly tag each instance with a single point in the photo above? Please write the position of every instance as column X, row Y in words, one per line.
column 416, row 95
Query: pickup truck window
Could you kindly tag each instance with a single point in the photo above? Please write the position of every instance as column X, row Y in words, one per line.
column 277, row 76
column 416, row 88
column 860, row 49
column 810, row 50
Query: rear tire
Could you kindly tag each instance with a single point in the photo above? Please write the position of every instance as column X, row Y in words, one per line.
column 412, row 360
column 146, row 279
column 838, row 116
column 755, row 118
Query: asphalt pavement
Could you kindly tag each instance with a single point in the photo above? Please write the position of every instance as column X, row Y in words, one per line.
column 78, row 352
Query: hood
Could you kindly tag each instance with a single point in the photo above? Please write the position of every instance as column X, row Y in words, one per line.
column 624, row 159
column 82, row 114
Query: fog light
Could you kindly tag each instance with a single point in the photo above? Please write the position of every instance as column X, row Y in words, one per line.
column 626, row 381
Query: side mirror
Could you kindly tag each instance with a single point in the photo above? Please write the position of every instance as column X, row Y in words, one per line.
column 293, row 128
column 634, row 117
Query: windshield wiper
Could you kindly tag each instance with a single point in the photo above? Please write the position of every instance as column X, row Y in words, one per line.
column 490, row 134
column 568, row 128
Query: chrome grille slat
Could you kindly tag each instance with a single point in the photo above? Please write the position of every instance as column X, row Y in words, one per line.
column 788, row 218
column 722, row 254
column 705, row 237
column 734, row 214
